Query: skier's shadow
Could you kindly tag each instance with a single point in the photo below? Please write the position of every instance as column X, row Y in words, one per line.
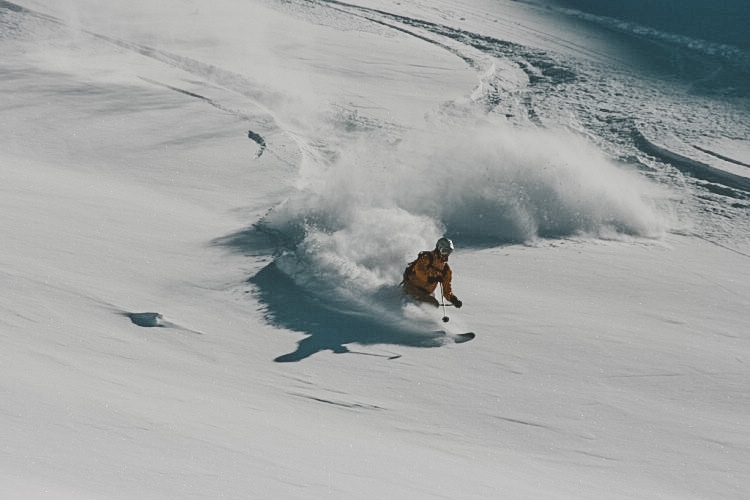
column 289, row 306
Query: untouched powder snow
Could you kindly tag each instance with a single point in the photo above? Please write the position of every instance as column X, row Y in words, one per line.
column 205, row 209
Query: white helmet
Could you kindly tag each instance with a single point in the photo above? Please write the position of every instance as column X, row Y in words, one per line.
column 444, row 246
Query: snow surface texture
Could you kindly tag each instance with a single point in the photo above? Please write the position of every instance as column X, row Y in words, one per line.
column 205, row 209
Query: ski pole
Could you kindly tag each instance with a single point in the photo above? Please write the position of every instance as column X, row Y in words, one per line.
column 442, row 301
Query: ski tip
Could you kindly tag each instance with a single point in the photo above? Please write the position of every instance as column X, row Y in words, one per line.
column 456, row 338
column 464, row 337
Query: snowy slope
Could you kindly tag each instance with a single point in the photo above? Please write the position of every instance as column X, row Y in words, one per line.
column 205, row 207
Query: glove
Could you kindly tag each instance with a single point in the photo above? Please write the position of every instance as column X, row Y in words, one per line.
column 433, row 301
column 456, row 302
column 435, row 279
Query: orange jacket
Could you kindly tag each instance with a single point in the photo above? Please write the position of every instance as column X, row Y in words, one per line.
column 422, row 276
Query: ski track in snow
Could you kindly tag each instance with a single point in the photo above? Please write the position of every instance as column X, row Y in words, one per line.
column 559, row 86
column 552, row 79
column 543, row 168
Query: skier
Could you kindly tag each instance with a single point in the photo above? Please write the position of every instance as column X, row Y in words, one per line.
column 422, row 276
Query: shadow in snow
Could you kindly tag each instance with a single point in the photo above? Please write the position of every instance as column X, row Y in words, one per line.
column 289, row 306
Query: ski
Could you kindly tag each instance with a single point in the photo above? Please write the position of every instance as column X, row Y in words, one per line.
column 460, row 338
column 456, row 338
